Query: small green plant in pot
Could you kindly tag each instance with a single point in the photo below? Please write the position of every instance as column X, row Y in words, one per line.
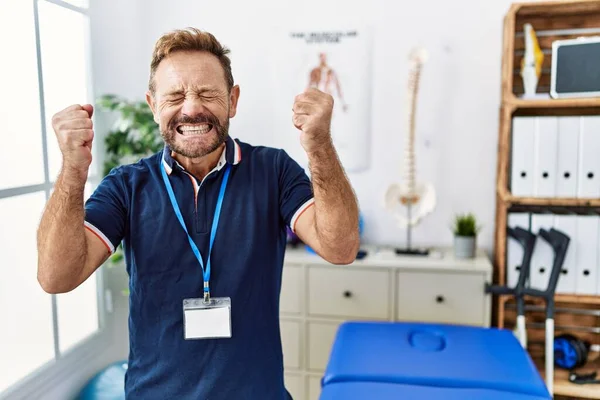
column 465, row 235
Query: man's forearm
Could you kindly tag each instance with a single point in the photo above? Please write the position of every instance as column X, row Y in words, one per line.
column 336, row 208
column 61, row 237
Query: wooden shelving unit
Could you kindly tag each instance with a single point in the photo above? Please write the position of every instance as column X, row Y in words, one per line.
column 552, row 202
column 552, row 20
column 554, row 106
column 561, row 298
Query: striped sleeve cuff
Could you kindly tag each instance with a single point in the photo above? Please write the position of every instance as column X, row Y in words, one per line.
column 101, row 236
column 299, row 212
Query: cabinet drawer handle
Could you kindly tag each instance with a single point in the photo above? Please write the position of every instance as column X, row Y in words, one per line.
column 347, row 294
column 439, row 299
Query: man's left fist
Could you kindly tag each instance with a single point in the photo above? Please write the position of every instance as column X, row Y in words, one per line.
column 312, row 115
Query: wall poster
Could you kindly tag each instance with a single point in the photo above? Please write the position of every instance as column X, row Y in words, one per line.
column 337, row 62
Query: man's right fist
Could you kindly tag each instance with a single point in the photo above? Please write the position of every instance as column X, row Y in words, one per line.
column 74, row 130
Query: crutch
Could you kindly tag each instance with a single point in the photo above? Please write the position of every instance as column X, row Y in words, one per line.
column 527, row 241
column 560, row 244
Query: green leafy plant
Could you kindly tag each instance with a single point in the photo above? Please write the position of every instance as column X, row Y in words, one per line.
column 465, row 225
column 133, row 135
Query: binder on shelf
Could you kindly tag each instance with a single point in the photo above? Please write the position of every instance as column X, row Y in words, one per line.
column 588, row 184
column 567, row 172
column 598, row 262
column 566, row 281
column 514, row 250
column 546, row 141
column 586, row 242
column 522, row 161
column 543, row 254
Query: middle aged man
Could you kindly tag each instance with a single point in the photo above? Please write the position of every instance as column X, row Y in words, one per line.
column 203, row 219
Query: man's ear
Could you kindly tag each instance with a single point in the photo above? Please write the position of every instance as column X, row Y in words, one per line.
column 152, row 104
column 234, row 96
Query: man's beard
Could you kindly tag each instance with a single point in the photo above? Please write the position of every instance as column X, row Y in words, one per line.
column 170, row 135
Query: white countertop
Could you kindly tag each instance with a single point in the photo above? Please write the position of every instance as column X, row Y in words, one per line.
column 380, row 256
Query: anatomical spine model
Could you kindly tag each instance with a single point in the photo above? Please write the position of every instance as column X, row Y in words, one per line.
column 410, row 201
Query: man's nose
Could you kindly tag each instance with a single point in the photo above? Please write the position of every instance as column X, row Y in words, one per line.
column 192, row 106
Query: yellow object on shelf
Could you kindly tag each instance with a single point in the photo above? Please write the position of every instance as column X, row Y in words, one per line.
column 531, row 64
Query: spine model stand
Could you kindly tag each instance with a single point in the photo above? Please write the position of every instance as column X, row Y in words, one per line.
column 410, row 201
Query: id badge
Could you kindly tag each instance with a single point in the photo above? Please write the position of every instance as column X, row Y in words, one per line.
column 207, row 321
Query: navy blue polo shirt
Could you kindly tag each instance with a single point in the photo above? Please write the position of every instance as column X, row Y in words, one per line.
column 266, row 192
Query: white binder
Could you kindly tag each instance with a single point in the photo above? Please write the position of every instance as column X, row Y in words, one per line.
column 543, row 254
column 586, row 281
column 567, row 224
column 589, row 161
column 567, row 154
column 546, row 141
column 514, row 249
column 522, row 160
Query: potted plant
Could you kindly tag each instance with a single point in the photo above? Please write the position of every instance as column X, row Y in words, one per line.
column 465, row 235
column 134, row 135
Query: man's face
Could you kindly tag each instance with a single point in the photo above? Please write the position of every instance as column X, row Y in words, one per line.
column 191, row 103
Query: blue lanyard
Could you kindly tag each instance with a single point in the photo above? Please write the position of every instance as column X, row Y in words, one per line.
column 213, row 232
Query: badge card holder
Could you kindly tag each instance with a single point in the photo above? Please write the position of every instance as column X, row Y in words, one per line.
column 206, row 320
column 207, row 317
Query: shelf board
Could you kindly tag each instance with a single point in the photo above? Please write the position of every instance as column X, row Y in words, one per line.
column 553, row 8
column 576, row 298
column 562, row 298
column 562, row 386
column 570, row 106
column 553, row 201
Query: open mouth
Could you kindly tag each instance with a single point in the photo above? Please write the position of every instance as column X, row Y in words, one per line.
column 194, row 129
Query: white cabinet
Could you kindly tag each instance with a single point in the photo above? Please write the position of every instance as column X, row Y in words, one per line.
column 454, row 297
column 292, row 287
column 316, row 297
column 291, row 343
column 294, row 383
column 348, row 292
column 314, row 387
column 320, row 338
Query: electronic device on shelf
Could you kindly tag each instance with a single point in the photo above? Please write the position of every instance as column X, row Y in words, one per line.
column 575, row 71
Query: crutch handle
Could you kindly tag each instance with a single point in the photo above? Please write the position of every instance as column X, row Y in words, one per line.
column 498, row 290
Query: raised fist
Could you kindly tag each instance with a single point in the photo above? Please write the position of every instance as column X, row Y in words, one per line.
column 74, row 130
column 312, row 115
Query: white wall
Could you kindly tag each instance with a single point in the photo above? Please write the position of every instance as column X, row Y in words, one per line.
column 117, row 60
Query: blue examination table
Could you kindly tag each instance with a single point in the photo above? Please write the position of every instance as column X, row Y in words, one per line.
column 398, row 360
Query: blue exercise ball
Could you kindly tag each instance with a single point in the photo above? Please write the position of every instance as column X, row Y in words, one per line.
column 108, row 384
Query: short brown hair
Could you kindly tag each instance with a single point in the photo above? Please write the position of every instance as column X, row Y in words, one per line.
column 189, row 39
